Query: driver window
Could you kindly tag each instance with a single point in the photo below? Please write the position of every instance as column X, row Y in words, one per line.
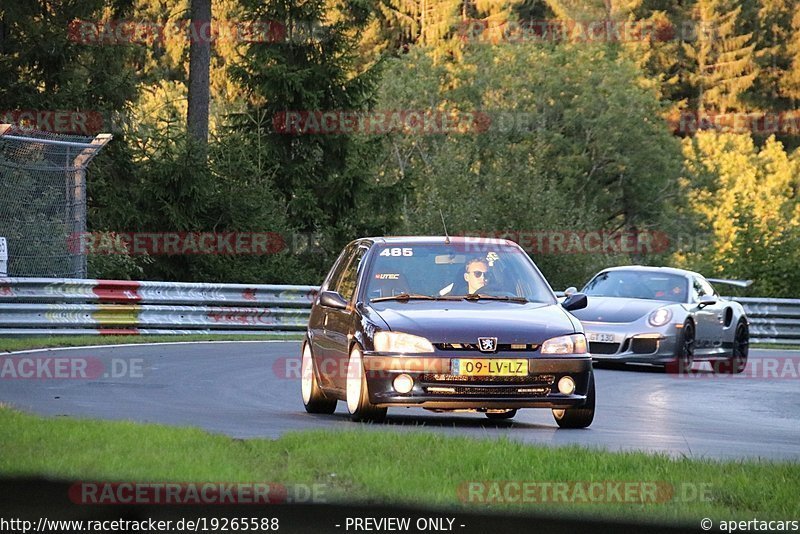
column 346, row 287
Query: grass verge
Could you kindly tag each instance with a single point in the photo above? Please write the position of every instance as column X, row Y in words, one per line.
column 365, row 465
column 45, row 342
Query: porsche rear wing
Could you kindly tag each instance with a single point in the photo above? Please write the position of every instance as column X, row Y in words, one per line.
column 735, row 283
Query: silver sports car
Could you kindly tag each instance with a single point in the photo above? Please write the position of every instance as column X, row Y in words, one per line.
column 663, row 316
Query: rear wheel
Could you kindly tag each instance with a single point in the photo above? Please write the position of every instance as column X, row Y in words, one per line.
column 313, row 398
column 684, row 351
column 499, row 416
column 578, row 417
column 741, row 347
column 358, row 404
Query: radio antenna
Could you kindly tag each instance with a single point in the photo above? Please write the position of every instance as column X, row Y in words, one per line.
column 446, row 235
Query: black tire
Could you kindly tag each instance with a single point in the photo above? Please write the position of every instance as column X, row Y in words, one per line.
column 578, row 417
column 357, row 395
column 313, row 397
column 741, row 348
column 508, row 414
column 684, row 352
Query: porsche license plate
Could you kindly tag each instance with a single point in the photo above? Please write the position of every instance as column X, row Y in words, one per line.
column 601, row 337
column 488, row 367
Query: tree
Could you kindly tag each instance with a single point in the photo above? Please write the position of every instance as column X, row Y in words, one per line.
column 723, row 58
column 744, row 199
column 199, row 64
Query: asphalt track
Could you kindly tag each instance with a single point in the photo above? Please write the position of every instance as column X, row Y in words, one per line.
column 251, row 390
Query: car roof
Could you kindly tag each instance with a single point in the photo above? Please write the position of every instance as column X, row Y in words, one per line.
column 652, row 269
column 437, row 240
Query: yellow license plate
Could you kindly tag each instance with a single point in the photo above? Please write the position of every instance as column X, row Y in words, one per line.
column 488, row 367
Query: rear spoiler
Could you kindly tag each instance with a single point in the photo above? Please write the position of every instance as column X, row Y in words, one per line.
column 736, row 283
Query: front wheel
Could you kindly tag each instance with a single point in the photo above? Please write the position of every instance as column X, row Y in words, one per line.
column 578, row 417
column 358, row 404
column 684, row 351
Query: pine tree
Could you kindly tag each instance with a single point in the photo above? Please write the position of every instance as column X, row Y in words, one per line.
column 722, row 57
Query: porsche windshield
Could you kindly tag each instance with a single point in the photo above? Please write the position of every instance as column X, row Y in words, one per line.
column 499, row 272
column 638, row 285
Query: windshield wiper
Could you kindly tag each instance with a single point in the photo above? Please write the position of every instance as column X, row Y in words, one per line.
column 481, row 296
column 404, row 296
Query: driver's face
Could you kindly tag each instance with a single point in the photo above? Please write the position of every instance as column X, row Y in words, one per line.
column 476, row 275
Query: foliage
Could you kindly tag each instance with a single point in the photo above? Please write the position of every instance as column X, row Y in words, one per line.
column 574, row 144
column 746, row 201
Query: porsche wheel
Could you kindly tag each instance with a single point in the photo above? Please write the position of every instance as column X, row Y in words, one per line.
column 741, row 347
column 499, row 416
column 358, row 404
column 314, row 399
column 684, row 352
column 578, row 417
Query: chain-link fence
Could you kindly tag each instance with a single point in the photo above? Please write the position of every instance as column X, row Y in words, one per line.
column 43, row 201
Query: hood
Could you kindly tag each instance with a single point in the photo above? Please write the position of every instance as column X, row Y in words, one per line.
column 464, row 322
column 618, row 310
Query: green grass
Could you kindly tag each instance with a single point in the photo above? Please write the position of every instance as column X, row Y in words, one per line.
column 366, row 465
column 44, row 342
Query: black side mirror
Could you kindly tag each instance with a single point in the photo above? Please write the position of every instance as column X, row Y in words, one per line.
column 706, row 300
column 332, row 299
column 576, row 301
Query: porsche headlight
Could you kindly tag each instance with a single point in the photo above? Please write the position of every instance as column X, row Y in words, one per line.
column 400, row 342
column 571, row 344
column 660, row 317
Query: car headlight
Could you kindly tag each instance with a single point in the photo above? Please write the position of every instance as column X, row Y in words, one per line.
column 660, row 317
column 400, row 342
column 571, row 344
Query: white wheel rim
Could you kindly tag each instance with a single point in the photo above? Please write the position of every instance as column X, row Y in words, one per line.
column 307, row 370
column 354, row 381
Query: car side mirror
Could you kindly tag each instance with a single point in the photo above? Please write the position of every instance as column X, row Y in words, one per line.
column 706, row 300
column 571, row 290
column 575, row 301
column 332, row 299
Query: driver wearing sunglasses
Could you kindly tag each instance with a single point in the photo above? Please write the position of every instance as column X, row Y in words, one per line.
column 476, row 274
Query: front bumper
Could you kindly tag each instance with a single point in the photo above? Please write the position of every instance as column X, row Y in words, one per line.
column 435, row 388
column 630, row 343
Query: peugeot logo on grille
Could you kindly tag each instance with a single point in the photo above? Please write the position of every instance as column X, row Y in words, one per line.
column 487, row 344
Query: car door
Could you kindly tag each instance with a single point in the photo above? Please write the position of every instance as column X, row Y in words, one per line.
column 341, row 324
column 322, row 345
column 708, row 318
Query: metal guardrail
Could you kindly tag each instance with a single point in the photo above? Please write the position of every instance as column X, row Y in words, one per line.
column 773, row 320
column 48, row 306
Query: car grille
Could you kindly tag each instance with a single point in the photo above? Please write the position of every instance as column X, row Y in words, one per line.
column 526, row 380
column 644, row 345
column 597, row 347
column 537, row 391
column 503, row 347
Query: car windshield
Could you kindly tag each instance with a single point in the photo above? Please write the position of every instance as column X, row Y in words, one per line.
column 639, row 285
column 455, row 271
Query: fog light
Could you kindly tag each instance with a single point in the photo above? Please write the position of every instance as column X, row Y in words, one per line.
column 403, row 383
column 566, row 385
